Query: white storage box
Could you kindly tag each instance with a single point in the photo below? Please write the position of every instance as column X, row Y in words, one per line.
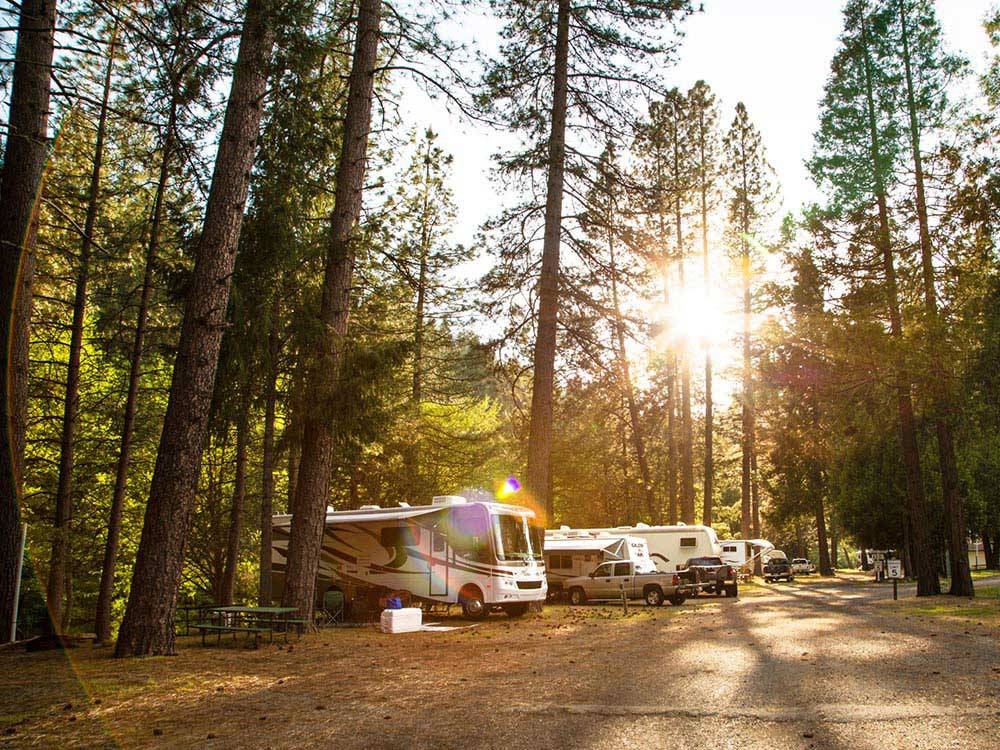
column 406, row 620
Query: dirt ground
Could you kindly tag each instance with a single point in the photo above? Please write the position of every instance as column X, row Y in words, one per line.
column 833, row 664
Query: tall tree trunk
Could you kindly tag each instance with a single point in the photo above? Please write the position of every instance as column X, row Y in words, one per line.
column 148, row 625
column 706, row 512
column 638, row 442
column 834, row 552
column 267, row 463
column 825, row 569
column 543, row 379
column 944, row 408
column 20, row 187
column 71, row 402
column 111, row 545
column 746, row 516
column 684, row 355
column 921, row 548
column 236, row 509
column 313, row 485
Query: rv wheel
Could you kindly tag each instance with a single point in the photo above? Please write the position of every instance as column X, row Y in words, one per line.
column 577, row 597
column 516, row 610
column 653, row 596
column 473, row 606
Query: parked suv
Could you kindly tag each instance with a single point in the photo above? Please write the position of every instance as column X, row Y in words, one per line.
column 802, row 566
column 717, row 576
column 778, row 567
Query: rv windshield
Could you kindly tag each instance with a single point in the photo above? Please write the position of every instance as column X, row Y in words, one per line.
column 510, row 537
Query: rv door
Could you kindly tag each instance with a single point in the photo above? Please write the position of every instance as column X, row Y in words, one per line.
column 438, row 563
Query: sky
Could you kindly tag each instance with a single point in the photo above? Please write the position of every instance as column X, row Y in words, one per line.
column 771, row 54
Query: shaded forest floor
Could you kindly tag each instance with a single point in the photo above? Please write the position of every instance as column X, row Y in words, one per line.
column 824, row 664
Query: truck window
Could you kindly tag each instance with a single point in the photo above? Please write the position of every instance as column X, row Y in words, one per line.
column 606, row 569
column 689, row 541
column 622, row 569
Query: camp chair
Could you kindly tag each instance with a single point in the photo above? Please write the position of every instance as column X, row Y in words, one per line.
column 332, row 609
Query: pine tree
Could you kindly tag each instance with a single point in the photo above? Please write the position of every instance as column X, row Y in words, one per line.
column 20, row 186
column 147, row 627
column 548, row 82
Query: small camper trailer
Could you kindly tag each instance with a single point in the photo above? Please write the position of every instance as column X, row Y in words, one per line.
column 669, row 546
column 482, row 555
column 579, row 553
column 742, row 553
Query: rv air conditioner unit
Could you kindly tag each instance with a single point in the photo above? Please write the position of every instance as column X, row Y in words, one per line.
column 448, row 500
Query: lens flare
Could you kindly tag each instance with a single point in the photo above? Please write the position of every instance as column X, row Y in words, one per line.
column 509, row 487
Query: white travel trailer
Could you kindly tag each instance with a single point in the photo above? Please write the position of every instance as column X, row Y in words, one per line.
column 742, row 553
column 579, row 553
column 482, row 555
column 669, row 546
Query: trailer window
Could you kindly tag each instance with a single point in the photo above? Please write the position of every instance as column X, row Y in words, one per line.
column 399, row 536
column 689, row 541
column 729, row 548
column 561, row 562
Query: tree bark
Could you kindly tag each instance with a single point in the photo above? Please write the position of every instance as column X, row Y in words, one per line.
column 825, row 569
column 20, row 187
column 148, row 626
column 267, row 463
column 236, row 510
column 746, row 515
column 707, row 510
column 543, row 379
column 954, row 506
column 110, row 563
column 313, row 484
column 71, row 401
column 921, row 550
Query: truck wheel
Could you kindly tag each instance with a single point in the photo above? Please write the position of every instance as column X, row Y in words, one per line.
column 732, row 590
column 473, row 605
column 677, row 599
column 577, row 597
column 653, row 596
column 516, row 610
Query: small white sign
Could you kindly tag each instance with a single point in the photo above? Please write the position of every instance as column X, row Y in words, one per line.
column 894, row 568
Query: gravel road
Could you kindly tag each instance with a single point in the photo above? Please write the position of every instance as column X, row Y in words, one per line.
column 814, row 664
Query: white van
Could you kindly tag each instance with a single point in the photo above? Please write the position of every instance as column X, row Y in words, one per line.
column 579, row 553
column 669, row 546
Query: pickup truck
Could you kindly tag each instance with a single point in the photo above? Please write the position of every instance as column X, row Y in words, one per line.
column 778, row 567
column 715, row 575
column 801, row 565
column 608, row 579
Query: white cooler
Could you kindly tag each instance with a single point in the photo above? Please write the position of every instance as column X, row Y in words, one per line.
column 406, row 620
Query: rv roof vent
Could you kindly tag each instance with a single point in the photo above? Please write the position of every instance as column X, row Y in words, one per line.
column 564, row 527
column 448, row 500
column 681, row 523
column 369, row 507
column 642, row 525
column 403, row 505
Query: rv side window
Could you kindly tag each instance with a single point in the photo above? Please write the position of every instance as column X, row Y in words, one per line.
column 468, row 532
column 689, row 541
column 399, row 536
column 729, row 549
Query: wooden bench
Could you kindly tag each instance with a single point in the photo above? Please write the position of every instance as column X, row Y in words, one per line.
column 206, row 627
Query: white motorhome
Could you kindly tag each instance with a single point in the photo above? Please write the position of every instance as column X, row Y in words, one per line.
column 482, row 555
column 669, row 546
column 579, row 553
column 742, row 553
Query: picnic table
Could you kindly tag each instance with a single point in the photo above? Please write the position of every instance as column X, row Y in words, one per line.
column 192, row 613
column 254, row 621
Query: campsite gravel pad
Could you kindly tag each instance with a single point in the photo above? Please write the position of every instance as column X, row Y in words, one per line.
column 809, row 665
